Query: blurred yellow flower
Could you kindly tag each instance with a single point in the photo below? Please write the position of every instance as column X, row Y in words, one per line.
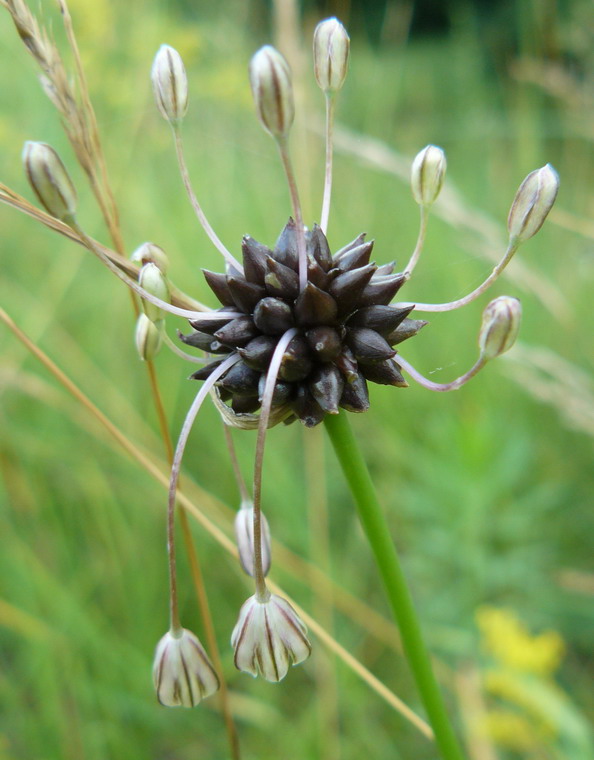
column 509, row 642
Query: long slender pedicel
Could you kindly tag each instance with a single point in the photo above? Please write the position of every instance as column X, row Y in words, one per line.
column 175, row 469
column 443, row 387
column 216, row 241
column 262, row 592
column 176, row 310
column 451, row 305
column 270, row 80
column 331, row 58
column 426, row 180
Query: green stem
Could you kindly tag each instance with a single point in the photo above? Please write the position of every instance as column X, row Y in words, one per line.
column 377, row 531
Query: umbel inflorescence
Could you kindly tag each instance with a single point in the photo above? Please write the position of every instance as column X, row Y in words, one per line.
column 300, row 331
column 345, row 328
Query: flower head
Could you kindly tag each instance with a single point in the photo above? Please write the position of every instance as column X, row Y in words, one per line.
column 346, row 327
column 268, row 638
column 182, row 673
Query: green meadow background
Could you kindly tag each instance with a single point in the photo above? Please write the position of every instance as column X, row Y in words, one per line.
column 488, row 490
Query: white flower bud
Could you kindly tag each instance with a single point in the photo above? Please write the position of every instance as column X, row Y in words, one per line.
column 331, row 55
column 244, row 533
column 49, row 179
column 149, row 253
column 427, row 175
column 500, row 326
column 270, row 79
column 148, row 337
column 152, row 279
column 182, row 672
column 170, row 84
column 269, row 636
column 533, row 201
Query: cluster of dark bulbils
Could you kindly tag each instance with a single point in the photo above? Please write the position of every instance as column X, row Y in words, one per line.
column 346, row 327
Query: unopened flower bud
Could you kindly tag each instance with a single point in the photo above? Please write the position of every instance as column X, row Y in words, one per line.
column 182, row 672
column 270, row 79
column 148, row 337
column 170, row 84
column 268, row 638
column 427, row 175
column 149, row 253
column 500, row 326
column 331, row 55
column 244, row 533
column 49, row 179
column 533, row 201
column 152, row 279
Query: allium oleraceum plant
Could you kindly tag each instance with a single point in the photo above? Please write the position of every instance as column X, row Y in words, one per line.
column 299, row 334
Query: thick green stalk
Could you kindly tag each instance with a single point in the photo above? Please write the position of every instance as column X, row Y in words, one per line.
column 377, row 531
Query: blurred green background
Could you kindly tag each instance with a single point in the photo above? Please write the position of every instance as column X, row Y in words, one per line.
column 488, row 490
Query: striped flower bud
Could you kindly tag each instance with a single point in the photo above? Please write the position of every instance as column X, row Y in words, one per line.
column 149, row 253
column 428, row 172
column 331, row 55
column 268, row 638
column 182, row 672
column 533, row 201
column 49, row 179
column 148, row 337
column 270, row 79
column 244, row 533
column 500, row 326
column 170, row 84
column 152, row 279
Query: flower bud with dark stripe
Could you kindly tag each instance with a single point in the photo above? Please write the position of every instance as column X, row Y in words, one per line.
column 152, row 279
column 270, row 79
column 331, row 55
column 533, row 201
column 244, row 534
column 427, row 175
column 268, row 638
column 182, row 672
column 170, row 84
column 500, row 326
column 49, row 179
column 148, row 337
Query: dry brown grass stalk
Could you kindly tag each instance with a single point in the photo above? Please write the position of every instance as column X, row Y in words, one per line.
column 12, row 198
